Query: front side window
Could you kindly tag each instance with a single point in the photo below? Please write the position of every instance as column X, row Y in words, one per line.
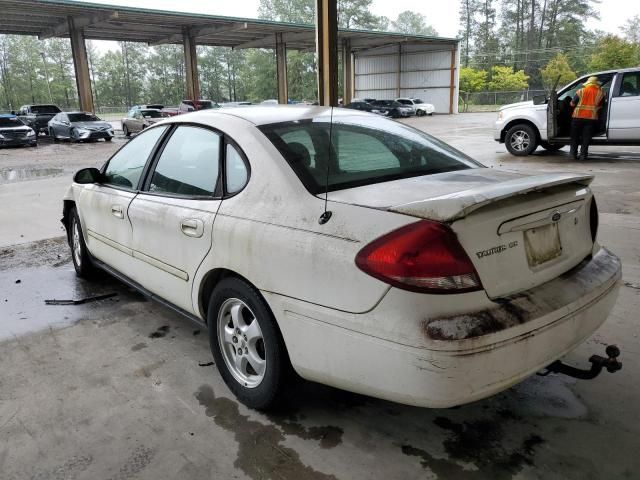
column 189, row 163
column 125, row 167
column 362, row 151
column 630, row 85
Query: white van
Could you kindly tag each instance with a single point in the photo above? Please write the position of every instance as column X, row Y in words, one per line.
column 546, row 122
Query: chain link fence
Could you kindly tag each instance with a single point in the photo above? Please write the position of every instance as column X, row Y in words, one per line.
column 492, row 101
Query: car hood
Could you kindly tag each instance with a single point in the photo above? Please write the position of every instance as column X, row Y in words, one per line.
column 528, row 103
column 21, row 128
column 92, row 125
column 449, row 196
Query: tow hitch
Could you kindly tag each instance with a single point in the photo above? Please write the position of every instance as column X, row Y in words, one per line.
column 611, row 363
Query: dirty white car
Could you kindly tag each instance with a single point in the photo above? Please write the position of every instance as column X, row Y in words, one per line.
column 419, row 107
column 422, row 277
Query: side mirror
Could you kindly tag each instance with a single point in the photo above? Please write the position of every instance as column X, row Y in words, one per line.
column 87, row 175
column 539, row 99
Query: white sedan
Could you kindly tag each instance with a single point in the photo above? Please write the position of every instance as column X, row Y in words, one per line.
column 421, row 108
column 356, row 251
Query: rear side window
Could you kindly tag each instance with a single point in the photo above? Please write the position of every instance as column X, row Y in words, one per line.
column 189, row 163
column 630, row 85
column 236, row 170
column 362, row 151
column 125, row 167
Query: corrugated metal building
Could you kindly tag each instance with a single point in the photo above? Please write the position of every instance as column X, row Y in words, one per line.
column 425, row 71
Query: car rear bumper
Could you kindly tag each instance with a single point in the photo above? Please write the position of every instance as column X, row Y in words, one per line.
column 455, row 371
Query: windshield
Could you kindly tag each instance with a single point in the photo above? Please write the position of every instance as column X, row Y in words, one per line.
column 151, row 114
column 417, row 100
column 9, row 122
column 386, row 103
column 45, row 109
column 363, row 151
column 82, row 117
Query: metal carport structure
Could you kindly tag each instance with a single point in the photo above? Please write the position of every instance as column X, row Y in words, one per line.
column 81, row 21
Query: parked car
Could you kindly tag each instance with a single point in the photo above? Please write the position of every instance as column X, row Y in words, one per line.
column 13, row 132
column 546, row 122
column 138, row 120
column 425, row 278
column 79, row 126
column 392, row 108
column 151, row 106
column 38, row 116
column 234, row 104
column 364, row 107
column 270, row 101
column 368, row 100
column 169, row 111
column 419, row 107
column 195, row 105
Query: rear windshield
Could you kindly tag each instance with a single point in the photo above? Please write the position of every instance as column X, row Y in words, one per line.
column 151, row 113
column 362, row 151
column 82, row 117
column 8, row 122
column 45, row 109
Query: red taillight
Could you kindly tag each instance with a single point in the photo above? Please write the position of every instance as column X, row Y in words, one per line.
column 422, row 257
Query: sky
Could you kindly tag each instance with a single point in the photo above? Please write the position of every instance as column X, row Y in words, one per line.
column 442, row 15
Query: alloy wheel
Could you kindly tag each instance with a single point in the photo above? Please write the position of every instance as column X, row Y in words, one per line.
column 241, row 342
column 520, row 140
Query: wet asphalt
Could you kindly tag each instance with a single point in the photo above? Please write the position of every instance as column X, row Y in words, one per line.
column 122, row 388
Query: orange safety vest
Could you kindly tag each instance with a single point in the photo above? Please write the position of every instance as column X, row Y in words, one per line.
column 590, row 102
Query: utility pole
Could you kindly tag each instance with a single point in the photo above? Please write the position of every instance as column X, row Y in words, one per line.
column 46, row 74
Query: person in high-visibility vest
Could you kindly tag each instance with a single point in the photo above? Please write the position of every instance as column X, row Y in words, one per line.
column 587, row 102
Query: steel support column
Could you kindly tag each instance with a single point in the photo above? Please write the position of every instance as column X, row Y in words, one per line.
column 399, row 70
column 81, row 66
column 347, row 72
column 327, row 51
column 281, row 67
column 452, row 83
column 191, row 65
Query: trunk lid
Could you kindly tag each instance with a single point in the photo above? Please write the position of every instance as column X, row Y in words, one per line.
column 519, row 231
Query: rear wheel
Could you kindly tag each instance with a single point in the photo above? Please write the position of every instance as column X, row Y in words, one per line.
column 126, row 131
column 521, row 140
column 421, row 113
column 108, row 139
column 246, row 344
column 79, row 252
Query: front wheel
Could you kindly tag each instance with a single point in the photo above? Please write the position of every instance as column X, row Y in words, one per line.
column 53, row 135
column 420, row 113
column 246, row 344
column 79, row 252
column 521, row 140
column 126, row 131
column 108, row 139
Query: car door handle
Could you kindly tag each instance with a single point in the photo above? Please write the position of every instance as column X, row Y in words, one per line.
column 116, row 211
column 192, row 227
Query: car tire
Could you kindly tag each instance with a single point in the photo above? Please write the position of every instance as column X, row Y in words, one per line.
column 551, row 147
column 256, row 372
column 79, row 253
column 430, row 114
column 521, row 140
column 52, row 135
column 126, row 131
column 108, row 139
column 420, row 113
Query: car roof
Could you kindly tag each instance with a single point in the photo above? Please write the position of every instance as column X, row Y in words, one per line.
column 265, row 114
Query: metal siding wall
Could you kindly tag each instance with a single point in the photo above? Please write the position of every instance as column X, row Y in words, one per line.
column 426, row 74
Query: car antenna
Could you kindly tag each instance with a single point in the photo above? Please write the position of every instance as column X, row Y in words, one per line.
column 326, row 215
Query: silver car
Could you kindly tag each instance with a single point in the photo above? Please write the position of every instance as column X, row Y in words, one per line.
column 139, row 119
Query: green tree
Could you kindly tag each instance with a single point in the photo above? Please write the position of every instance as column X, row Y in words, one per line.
column 614, row 52
column 506, row 79
column 413, row 23
column 468, row 27
column 472, row 80
column 558, row 69
column 631, row 29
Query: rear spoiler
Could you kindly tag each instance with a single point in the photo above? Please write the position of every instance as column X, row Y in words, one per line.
column 454, row 206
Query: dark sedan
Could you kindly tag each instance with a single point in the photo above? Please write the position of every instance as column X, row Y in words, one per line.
column 364, row 107
column 13, row 132
column 392, row 109
column 79, row 126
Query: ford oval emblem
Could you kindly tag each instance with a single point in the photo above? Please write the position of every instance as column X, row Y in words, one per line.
column 556, row 216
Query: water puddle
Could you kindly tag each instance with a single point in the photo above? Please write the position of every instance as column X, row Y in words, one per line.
column 11, row 175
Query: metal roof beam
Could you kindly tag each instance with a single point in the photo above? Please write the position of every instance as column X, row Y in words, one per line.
column 62, row 29
column 268, row 40
column 200, row 32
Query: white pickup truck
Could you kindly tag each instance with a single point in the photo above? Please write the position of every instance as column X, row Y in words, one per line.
column 546, row 122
